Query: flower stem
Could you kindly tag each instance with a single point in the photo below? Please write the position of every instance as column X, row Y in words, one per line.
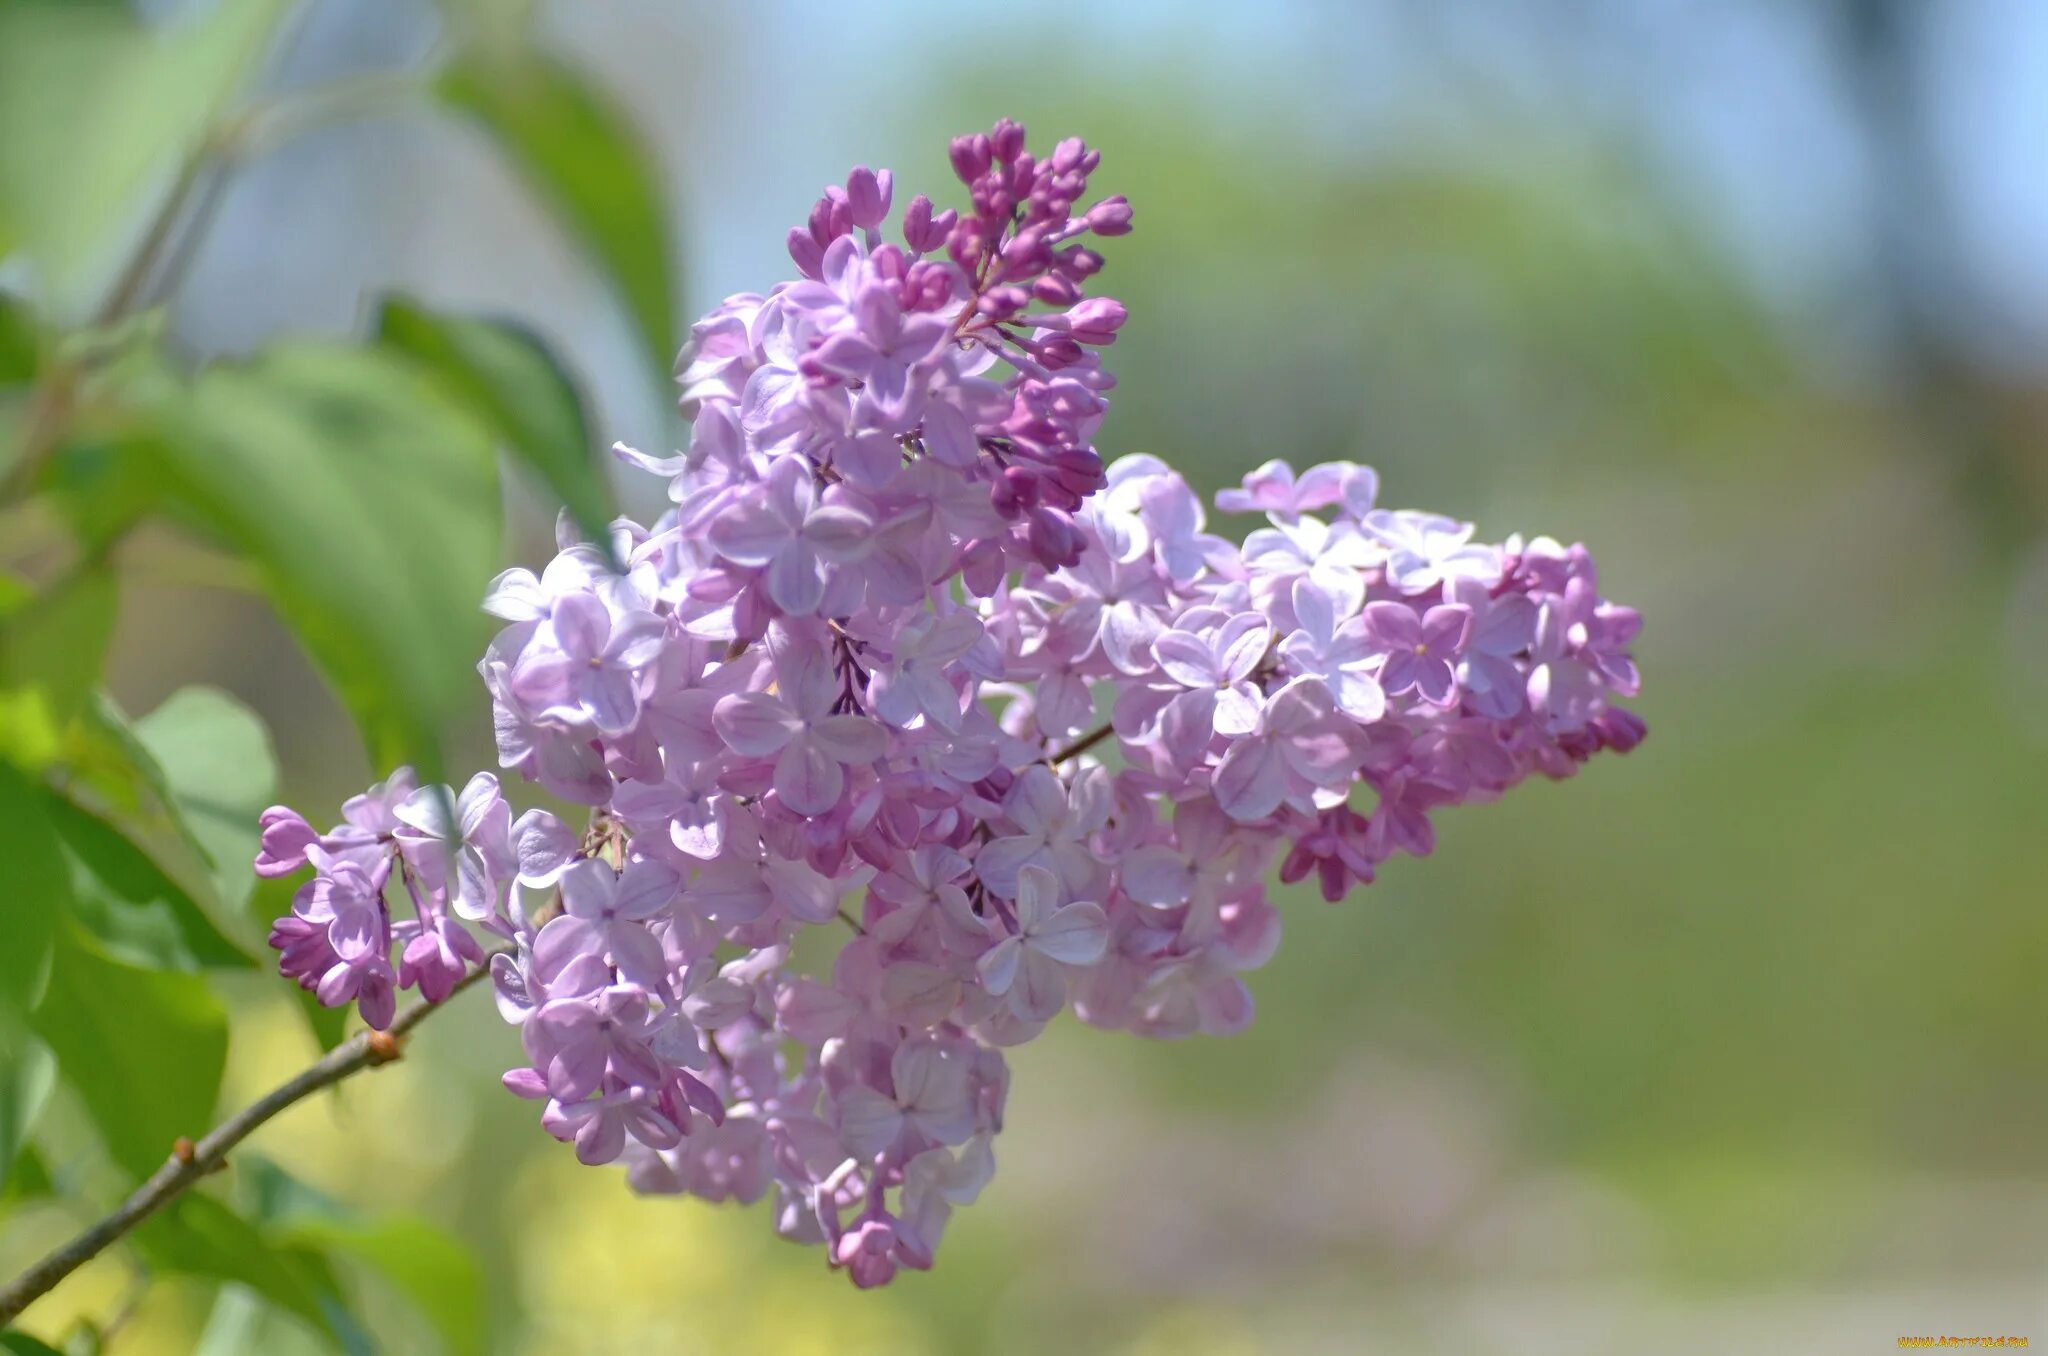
column 1081, row 745
column 189, row 1162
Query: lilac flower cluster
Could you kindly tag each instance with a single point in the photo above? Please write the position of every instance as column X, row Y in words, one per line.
column 907, row 663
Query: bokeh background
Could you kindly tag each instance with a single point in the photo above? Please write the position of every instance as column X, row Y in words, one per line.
column 1738, row 1043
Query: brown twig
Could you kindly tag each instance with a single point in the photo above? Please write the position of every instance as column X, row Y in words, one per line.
column 364, row 1050
column 1081, row 745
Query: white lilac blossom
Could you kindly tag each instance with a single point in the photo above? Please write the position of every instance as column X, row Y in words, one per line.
column 907, row 662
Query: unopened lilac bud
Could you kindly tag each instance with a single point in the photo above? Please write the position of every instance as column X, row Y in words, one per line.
column 1006, row 142
column 889, row 262
column 963, row 245
column 867, row 196
column 1078, row 263
column 1000, row 303
column 1096, row 320
column 931, row 285
column 970, row 156
column 1111, row 216
column 924, row 230
column 1067, row 154
column 1057, row 352
column 805, row 251
column 1054, row 290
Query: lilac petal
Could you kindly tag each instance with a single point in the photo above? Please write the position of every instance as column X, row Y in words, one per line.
column 544, row 845
column 749, row 533
column 1075, row 935
column 638, row 955
column 807, row 679
column 998, row 965
column 839, row 534
column 562, row 941
column 607, row 695
column 601, row 1140
column 1358, row 694
column 868, row 1121
column 935, row 696
column 920, row 995
column 1127, row 635
column 802, row 892
column 1157, row 875
column 807, row 778
column 1403, row 671
column 793, row 581
column 589, row 889
column 1187, row 659
column 754, row 724
column 1434, row 680
column 1445, row 628
column 637, row 640
column 998, row 863
column 1040, row 990
column 1037, row 801
column 850, row 739
column 1393, row 625
column 1038, row 894
column 650, row 1127
column 729, row 891
column 1189, row 722
column 1251, row 780
column 645, row 888
column 1237, row 710
column 516, row 596
column 1240, row 645
column 1315, row 610
column 581, row 624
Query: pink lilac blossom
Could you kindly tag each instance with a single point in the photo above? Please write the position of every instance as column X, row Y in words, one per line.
column 851, row 680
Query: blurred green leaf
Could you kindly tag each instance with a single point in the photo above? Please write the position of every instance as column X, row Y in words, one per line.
column 424, row 1263
column 20, row 347
column 510, row 379
column 38, row 889
column 585, row 160
column 53, row 646
column 216, row 757
column 26, row 1072
column 369, row 501
column 144, row 1049
column 101, row 109
column 18, row 1343
column 28, row 1179
column 132, row 904
column 197, row 1235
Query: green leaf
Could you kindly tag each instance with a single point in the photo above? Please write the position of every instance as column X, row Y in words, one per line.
column 510, row 380
column 51, row 648
column 20, row 348
column 38, row 889
column 28, row 1179
column 99, row 110
column 144, row 1049
column 135, row 907
column 581, row 157
column 18, row 1343
column 426, row 1264
column 197, row 1235
column 369, row 502
column 26, row 1072
column 216, row 757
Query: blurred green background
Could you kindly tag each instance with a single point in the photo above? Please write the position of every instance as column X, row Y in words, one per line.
column 1735, row 1044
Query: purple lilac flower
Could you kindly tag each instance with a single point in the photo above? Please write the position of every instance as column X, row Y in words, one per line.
column 849, row 680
